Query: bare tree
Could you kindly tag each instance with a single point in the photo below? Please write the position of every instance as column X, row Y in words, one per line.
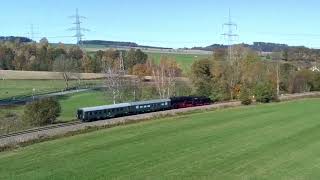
column 164, row 76
column 68, row 68
column 114, row 78
column 113, row 83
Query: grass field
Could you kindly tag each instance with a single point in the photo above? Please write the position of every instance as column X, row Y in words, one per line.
column 184, row 60
column 16, row 88
column 70, row 104
column 276, row 141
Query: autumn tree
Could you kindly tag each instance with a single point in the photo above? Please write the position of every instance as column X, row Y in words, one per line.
column 302, row 81
column 142, row 70
column 134, row 57
column 202, row 76
column 67, row 68
column 6, row 58
column 164, row 76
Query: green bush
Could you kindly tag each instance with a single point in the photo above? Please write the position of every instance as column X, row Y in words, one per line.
column 245, row 97
column 42, row 112
column 265, row 92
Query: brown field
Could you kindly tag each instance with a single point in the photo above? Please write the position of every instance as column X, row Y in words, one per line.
column 44, row 75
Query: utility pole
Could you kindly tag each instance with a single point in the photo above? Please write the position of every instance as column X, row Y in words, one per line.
column 278, row 78
column 78, row 29
column 230, row 35
column 121, row 63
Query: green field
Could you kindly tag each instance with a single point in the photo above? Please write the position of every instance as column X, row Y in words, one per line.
column 276, row 141
column 70, row 104
column 16, row 88
column 184, row 60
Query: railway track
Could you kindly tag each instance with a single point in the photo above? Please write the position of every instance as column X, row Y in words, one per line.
column 17, row 136
column 34, row 130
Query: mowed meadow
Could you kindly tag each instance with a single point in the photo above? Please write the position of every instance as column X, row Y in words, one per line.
column 185, row 61
column 273, row 141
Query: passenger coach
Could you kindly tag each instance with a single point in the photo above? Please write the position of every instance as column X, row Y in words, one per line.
column 103, row 112
column 124, row 109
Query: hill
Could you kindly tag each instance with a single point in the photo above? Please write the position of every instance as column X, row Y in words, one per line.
column 258, row 46
column 15, row 39
column 274, row 141
column 117, row 44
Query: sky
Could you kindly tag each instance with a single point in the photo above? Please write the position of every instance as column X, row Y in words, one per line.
column 167, row 23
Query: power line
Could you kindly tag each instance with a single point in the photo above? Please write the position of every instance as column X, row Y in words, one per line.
column 78, row 29
column 229, row 35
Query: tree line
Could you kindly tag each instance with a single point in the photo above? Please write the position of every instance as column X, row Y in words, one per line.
column 45, row 57
column 247, row 75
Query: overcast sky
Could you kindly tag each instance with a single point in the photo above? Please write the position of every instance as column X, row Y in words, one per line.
column 178, row 23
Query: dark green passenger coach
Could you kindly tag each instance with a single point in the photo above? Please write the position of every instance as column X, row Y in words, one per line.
column 117, row 110
column 150, row 106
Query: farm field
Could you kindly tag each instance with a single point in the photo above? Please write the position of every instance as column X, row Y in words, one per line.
column 184, row 60
column 18, row 88
column 274, row 141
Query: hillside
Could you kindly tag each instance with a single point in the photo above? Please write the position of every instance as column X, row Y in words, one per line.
column 15, row 39
column 116, row 44
column 274, row 141
column 258, row 46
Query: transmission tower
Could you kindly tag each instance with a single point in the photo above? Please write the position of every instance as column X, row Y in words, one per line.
column 230, row 35
column 32, row 33
column 78, row 29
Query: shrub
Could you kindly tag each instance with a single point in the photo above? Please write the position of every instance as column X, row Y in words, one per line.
column 42, row 112
column 265, row 92
column 303, row 81
column 245, row 97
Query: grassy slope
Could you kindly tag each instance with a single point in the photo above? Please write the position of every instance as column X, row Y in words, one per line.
column 70, row 104
column 184, row 60
column 279, row 141
column 14, row 88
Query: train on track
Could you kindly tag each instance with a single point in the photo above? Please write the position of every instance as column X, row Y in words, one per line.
column 89, row 114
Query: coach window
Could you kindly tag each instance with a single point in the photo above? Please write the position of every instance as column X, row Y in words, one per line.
column 137, row 107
